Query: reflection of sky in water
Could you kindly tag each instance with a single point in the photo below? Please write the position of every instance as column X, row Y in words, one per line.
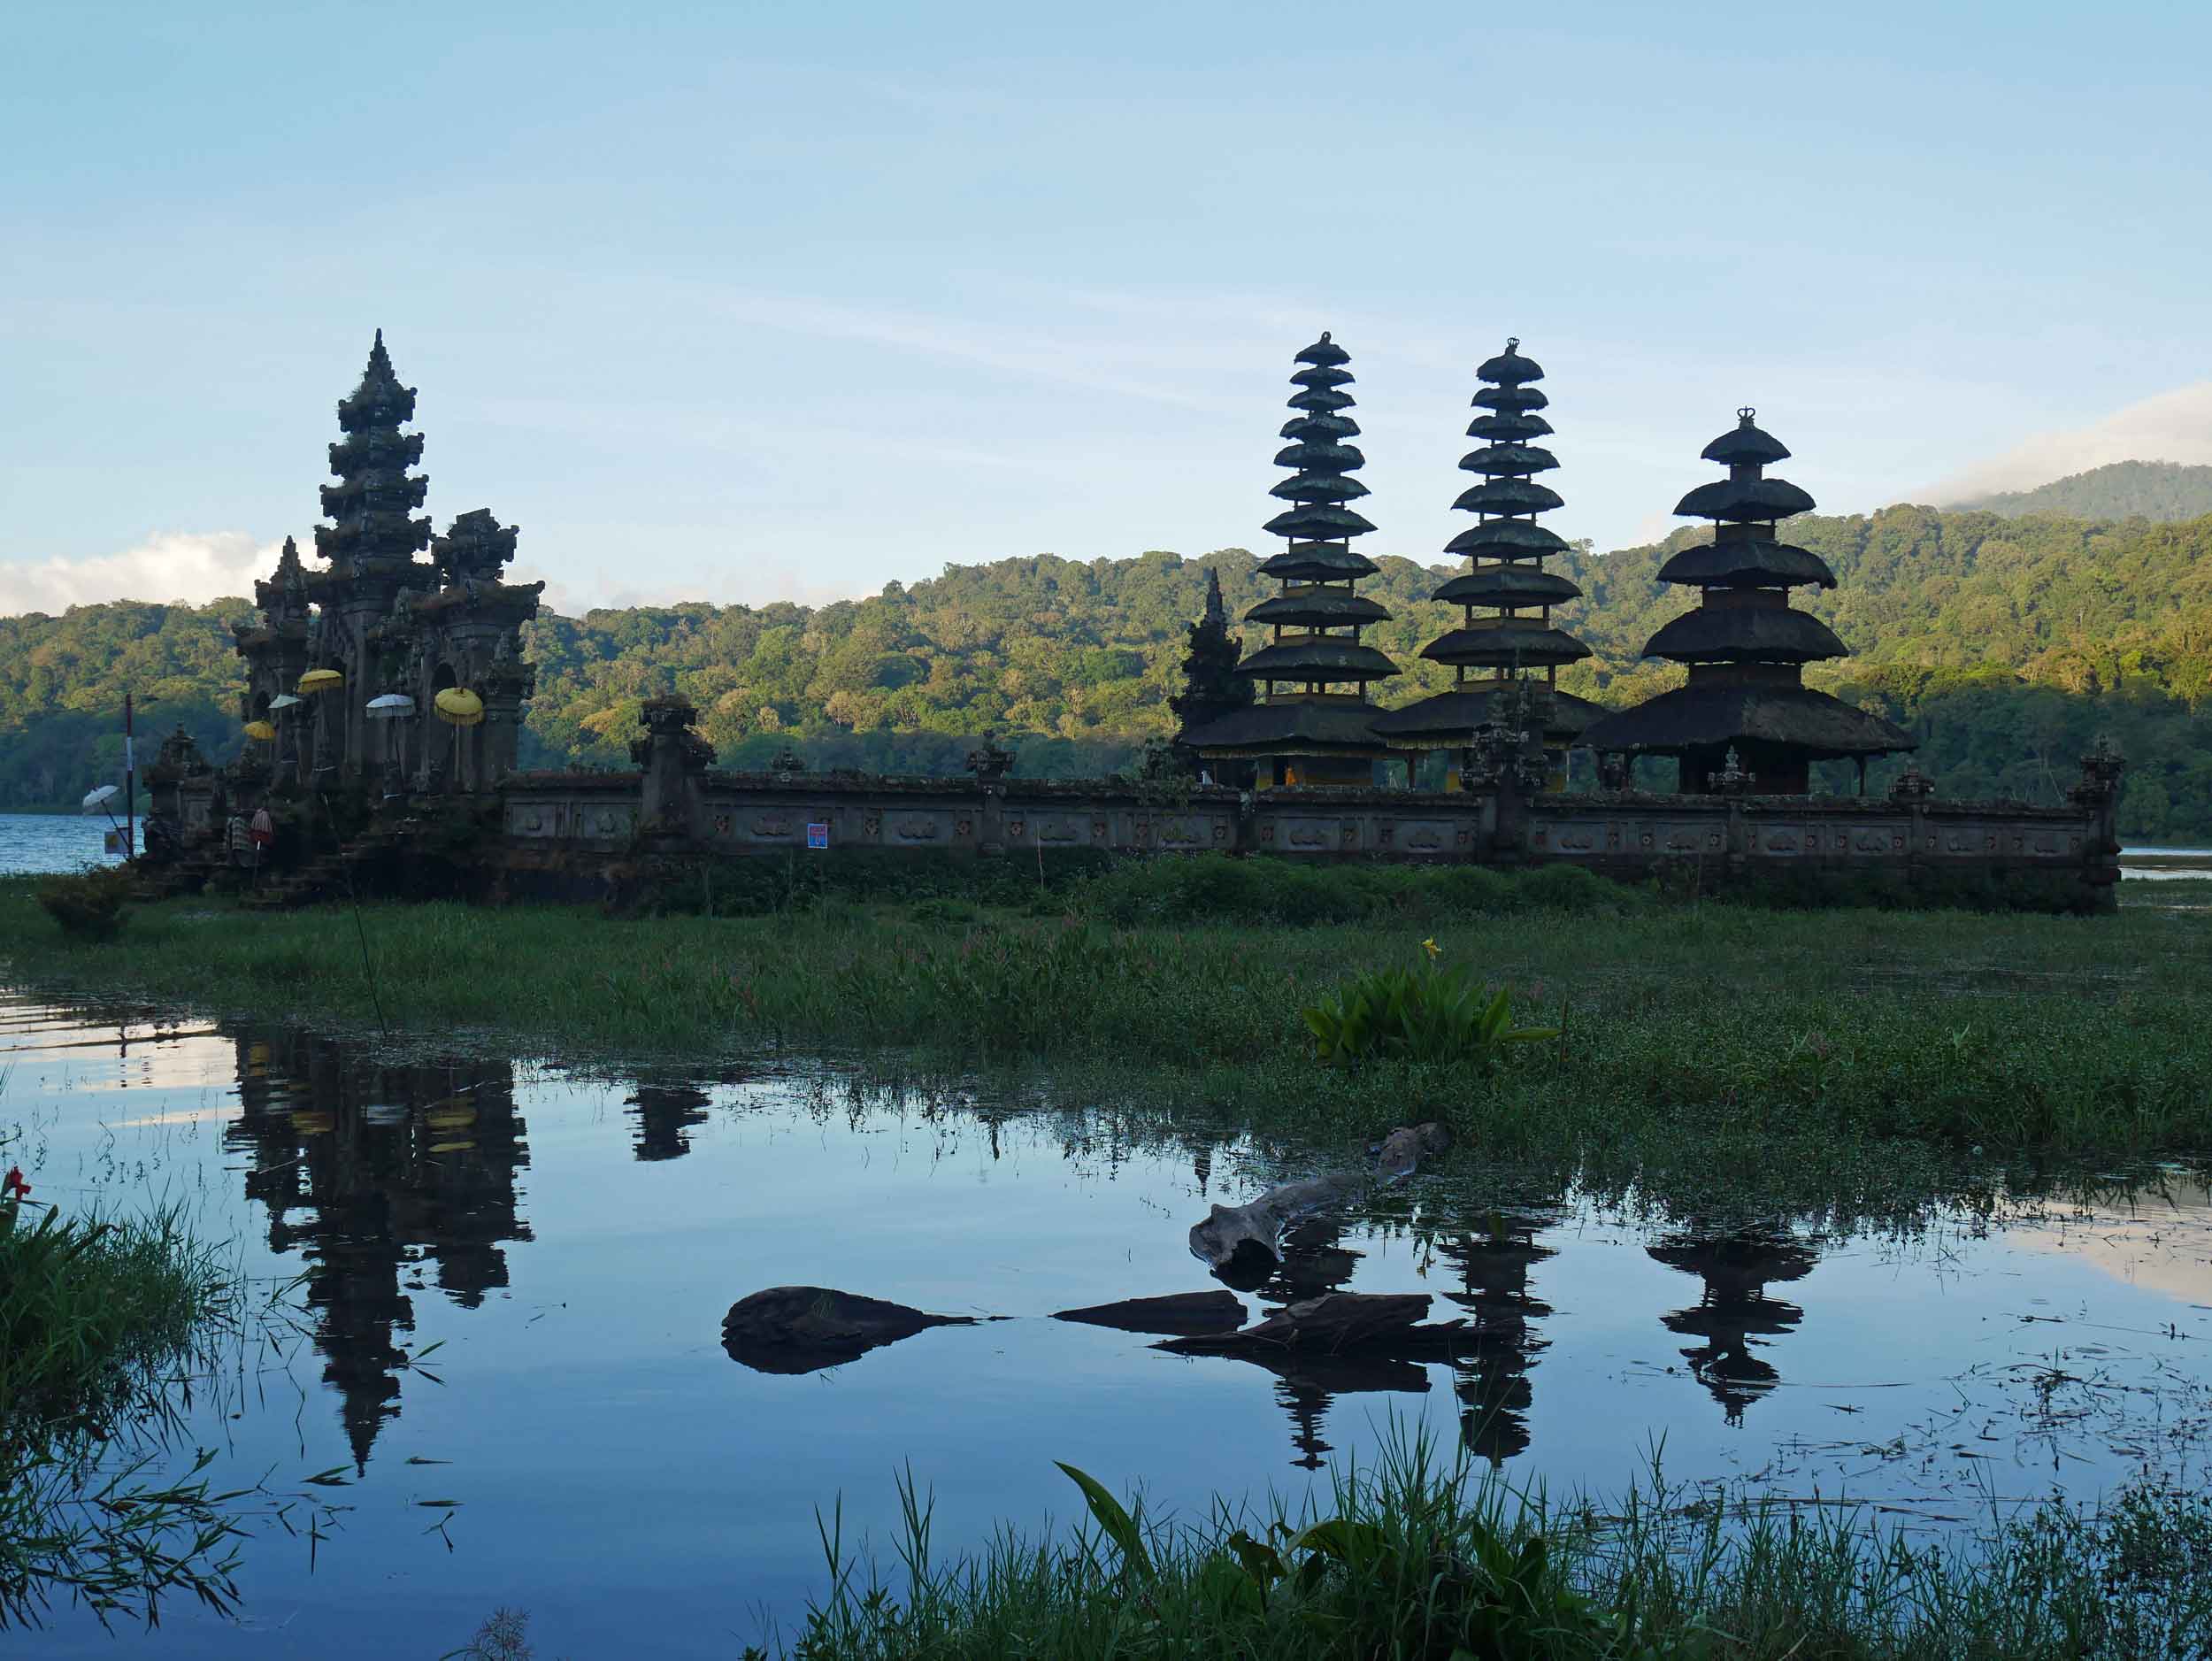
column 573, row 1245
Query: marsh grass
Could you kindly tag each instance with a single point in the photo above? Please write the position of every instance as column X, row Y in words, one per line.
column 100, row 1323
column 1415, row 1558
column 1728, row 1025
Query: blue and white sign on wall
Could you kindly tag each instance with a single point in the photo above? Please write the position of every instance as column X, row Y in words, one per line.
column 817, row 835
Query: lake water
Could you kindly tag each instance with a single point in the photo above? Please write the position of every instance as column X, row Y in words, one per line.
column 571, row 1245
column 42, row 843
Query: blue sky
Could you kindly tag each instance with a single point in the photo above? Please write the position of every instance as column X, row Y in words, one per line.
column 749, row 302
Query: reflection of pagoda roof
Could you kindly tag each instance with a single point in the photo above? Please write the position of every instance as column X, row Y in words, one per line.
column 1307, row 726
column 1748, row 1258
column 1747, row 564
column 1699, row 717
column 1505, row 642
column 1745, row 633
column 1324, row 658
column 1331, row 607
column 1734, row 1319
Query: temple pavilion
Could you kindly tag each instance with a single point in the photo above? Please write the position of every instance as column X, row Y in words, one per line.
column 1506, row 596
column 1312, row 724
column 1745, row 718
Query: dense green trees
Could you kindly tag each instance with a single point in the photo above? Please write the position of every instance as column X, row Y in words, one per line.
column 2007, row 644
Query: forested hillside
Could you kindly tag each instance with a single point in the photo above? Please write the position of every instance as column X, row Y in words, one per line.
column 2008, row 644
column 2123, row 490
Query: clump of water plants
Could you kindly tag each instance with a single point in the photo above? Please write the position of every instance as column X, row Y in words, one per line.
column 87, row 905
column 1427, row 1013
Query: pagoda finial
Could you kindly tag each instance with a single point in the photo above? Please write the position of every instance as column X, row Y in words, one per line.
column 1216, row 612
column 1747, row 415
column 1513, row 343
column 1324, row 337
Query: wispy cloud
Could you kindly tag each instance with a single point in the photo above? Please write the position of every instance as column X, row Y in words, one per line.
column 2172, row 426
column 195, row 566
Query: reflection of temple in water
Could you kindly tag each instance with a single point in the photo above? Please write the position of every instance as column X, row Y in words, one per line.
column 1735, row 1313
column 370, row 1173
column 1492, row 1380
column 665, row 1115
column 1316, row 1260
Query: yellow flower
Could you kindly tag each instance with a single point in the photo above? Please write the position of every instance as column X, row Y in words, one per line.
column 1431, row 947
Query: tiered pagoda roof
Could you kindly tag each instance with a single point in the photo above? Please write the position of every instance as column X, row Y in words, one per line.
column 1506, row 582
column 1745, row 647
column 372, row 507
column 1315, row 618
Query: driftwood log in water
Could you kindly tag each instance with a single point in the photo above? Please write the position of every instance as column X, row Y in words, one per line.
column 1240, row 1236
column 1381, row 1324
column 1180, row 1314
column 804, row 1328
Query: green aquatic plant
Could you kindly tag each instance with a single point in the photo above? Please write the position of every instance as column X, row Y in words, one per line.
column 87, row 905
column 1428, row 1014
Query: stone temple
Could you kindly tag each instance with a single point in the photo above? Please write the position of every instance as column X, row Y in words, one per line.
column 386, row 681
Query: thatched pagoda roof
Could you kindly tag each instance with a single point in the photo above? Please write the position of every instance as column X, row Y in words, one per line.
column 1289, row 728
column 1505, row 642
column 1324, row 608
column 1326, row 353
column 1506, row 460
column 1317, row 485
column 1508, row 430
column 1317, row 522
column 1747, row 565
column 1509, row 399
column 1745, row 500
column 1317, row 562
column 1322, row 427
column 1326, row 659
column 1700, row 717
column 1507, row 585
column 1506, row 538
column 1746, row 443
column 1508, row 368
column 1745, row 634
column 1509, row 495
column 1444, row 717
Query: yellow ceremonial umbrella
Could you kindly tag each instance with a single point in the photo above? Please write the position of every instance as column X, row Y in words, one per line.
column 458, row 706
column 321, row 680
column 262, row 730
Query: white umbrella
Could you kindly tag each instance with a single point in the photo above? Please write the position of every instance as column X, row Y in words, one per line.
column 100, row 798
column 283, row 701
column 391, row 706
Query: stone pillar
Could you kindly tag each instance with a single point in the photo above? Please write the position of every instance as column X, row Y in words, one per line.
column 673, row 756
column 990, row 764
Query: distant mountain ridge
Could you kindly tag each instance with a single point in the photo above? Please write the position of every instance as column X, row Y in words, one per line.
column 2162, row 490
column 2007, row 644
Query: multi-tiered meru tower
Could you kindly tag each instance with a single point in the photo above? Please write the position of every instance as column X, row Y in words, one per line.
column 1507, row 643
column 1304, row 729
column 1744, row 646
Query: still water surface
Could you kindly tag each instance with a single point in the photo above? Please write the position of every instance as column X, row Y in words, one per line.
column 572, row 1243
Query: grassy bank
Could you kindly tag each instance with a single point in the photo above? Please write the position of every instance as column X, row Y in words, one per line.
column 96, row 1321
column 1756, row 1030
column 1414, row 1561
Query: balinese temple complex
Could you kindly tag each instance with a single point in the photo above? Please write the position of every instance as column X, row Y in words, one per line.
column 1512, row 646
column 1303, row 730
column 385, row 682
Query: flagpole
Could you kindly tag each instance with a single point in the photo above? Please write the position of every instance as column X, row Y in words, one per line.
column 130, row 787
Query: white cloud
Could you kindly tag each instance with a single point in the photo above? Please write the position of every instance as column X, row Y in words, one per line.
column 2173, row 426
column 195, row 566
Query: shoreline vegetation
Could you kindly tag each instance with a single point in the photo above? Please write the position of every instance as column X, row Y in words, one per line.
column 1416, row 1558
column 2053, row 1037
